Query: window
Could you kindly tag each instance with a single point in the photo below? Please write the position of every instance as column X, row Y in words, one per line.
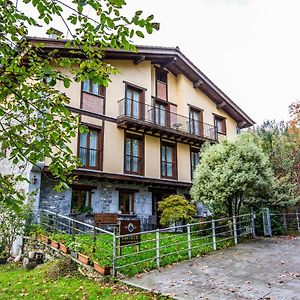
column 81, row 199
column 220, row 124
column 161, row 84
column 126, row 202
column 134, row 153
column 133, row 107
column 160, row 113
column 89, row 150
column 195, row 160
column 94, row 88
column 93, row 97
column 168, row 160
column 196, row 125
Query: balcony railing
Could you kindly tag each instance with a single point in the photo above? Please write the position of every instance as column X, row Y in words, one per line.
column 161, row 118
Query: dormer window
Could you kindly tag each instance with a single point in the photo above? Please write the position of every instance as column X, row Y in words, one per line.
column 161, row 84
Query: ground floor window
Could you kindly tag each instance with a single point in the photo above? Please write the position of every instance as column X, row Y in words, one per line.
column 126, row 202
column 81, row 200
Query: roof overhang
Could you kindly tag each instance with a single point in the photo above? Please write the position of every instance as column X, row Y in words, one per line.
column 172, row 59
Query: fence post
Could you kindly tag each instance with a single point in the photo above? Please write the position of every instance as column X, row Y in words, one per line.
column 157, row 249
column 297, row 218
column 115, row 252
column 94, row 239
column 213, row 227
column 234, row 230
column 55, row 223
column 189, row 241
column 253, row 224
column 73, row 230
column 284, row 222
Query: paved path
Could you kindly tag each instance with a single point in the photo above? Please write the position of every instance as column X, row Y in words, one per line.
column 262, row 269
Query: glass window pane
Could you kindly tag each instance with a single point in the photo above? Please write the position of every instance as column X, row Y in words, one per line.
column 162, row 115
column 169, row 169
column 93, row 139
column 83, row 140
column 163, row 153
column 135, row 106
column 86, row 85
column 83, row 155
column 169, row 154
column 127, row 163
column 156, row 113
column 95, row 88
column 135, row 147
column 128, row 107
column 93, row 158
column 135, row 164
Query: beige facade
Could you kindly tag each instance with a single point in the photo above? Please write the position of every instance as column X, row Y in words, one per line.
column 146, row 130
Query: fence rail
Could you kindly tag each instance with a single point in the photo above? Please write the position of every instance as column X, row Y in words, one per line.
column 157, row 248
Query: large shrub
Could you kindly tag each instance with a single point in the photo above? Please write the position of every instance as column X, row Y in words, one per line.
column 175, row 208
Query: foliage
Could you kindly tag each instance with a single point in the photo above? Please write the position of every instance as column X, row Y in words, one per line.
column 34, row 121
column 37, row 284
column 284, row 157
column 12, row 225
column 175, row 208
column 35, row 229
column 232, row 175
column 294, row 123
column 173, row 249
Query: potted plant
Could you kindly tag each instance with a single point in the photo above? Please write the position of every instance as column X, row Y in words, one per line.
column 83, row 258
column 55, row 244
column 64, row 248
column 100, row 269
column 74, row 248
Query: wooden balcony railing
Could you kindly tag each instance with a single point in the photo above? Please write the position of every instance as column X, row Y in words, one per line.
column 150, row 117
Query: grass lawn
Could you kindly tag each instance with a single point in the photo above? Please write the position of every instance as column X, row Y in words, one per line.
column 173, row 249
column 18, row 283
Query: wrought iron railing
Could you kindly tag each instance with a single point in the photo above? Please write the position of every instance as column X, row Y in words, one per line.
column 165, row 119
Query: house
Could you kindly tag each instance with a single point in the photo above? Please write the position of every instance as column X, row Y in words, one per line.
column 146, row 130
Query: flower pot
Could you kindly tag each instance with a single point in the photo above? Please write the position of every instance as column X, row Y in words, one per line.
column 3, row 260
column 44, row 239
column 74, row 254
column 54, row 244
column 102, row 270
column 82, row 258
column 64, row 248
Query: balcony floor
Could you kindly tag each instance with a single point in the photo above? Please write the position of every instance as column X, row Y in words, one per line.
column 151, row 128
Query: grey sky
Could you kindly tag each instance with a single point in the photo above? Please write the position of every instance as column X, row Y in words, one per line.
column 249, row 48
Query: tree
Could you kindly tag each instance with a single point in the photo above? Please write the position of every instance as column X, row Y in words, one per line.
column 232, row 175
column 34, row 121
column 175, row 208
column 283, row 151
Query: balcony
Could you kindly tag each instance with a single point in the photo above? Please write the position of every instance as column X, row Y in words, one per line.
column 159, row 121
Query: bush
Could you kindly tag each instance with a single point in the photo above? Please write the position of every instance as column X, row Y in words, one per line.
column 176, row 208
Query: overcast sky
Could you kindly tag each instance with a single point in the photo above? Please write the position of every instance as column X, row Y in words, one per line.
column 249, row 48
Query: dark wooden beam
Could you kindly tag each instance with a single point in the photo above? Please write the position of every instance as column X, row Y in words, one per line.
column 221, row 105
column 198, row 83
column 168, row 63
column 139, row 59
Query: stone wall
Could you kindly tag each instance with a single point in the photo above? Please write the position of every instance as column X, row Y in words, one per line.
column 105, row 197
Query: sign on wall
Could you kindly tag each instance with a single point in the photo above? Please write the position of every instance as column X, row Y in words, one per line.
column 130, row 227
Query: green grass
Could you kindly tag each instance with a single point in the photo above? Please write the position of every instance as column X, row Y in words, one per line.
column 18, row 283
column 173, row 249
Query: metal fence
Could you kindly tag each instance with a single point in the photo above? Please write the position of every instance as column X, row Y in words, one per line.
column 155, row 248
column 160, row 247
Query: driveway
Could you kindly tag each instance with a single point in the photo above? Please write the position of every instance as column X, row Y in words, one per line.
column 266, row 268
